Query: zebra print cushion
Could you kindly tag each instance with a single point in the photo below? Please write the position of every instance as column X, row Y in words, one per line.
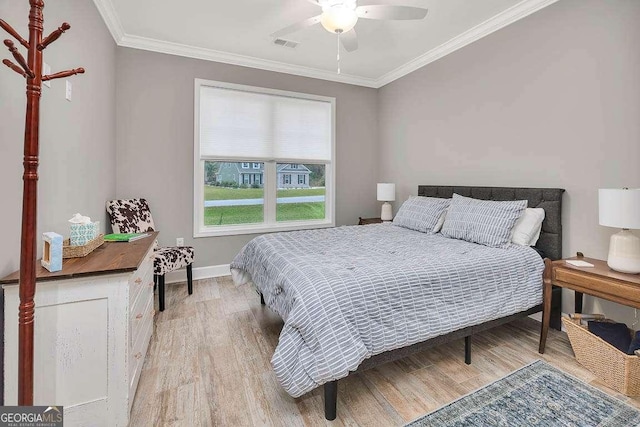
column 421, row 213
column 486, row 222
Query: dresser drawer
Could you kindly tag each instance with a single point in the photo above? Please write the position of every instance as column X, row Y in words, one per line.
column 141, row 312
column 139, row 351
column 141, row 277
column 137, row 301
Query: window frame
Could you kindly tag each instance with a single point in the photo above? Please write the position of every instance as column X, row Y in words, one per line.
column 269, row 177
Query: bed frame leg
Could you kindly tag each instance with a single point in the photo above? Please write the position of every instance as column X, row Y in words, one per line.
column 330, row 400
column 261, row 298
column 467, row 350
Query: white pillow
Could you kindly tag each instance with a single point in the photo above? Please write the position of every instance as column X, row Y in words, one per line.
column 527, row 229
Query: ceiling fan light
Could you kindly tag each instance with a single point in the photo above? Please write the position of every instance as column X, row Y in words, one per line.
column 338, row 19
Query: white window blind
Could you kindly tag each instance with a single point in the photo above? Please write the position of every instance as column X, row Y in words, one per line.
column 239, row 124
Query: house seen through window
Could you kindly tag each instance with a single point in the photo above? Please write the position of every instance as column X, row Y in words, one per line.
column 266, row 191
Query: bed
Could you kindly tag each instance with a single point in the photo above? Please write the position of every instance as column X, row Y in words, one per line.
column 357, row 296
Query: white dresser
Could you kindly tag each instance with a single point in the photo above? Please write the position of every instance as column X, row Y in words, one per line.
column 93, row 325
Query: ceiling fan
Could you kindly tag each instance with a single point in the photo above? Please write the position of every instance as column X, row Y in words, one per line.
column 340, row 16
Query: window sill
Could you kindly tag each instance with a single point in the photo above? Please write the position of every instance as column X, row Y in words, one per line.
column 261, row 228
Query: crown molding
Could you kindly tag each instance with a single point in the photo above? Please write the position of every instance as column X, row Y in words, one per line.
column 110, row 18
column 491, row 25
column 171, row 48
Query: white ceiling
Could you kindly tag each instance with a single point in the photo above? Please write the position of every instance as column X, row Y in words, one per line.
column 237, row 32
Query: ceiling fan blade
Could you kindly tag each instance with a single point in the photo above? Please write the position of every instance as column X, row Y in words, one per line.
column 349, row 40
column 297, row 27
column 383, row 11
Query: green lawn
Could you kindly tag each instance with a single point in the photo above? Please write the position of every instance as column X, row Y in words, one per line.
column 220, row 193
column 228, row 215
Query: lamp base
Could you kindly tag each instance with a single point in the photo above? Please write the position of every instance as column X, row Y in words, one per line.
column 387, row 212
column 624, row 252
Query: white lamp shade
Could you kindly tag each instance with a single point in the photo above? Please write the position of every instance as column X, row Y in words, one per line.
column 386, row 192
column 619, row 208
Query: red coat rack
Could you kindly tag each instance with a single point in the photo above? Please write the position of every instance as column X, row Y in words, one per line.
column 31, row 70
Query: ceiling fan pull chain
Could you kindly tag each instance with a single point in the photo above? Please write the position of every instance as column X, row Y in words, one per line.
column 338, row 53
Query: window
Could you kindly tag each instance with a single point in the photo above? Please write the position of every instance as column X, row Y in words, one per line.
column 247, row 141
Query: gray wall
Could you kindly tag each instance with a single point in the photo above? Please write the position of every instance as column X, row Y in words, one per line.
column 155, row 141
column 77, row 139
column 550, row 101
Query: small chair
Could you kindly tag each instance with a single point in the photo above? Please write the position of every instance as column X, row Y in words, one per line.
column 134, row 216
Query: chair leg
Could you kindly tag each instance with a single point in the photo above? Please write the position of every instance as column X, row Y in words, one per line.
column 190, row 278
column 161, row 291
column 155, row 282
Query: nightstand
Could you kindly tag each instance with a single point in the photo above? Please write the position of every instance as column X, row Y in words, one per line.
column 365, row 221
column 599, row 281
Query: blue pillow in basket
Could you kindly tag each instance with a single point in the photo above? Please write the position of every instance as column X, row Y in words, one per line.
column 635, row 344
column 616, row 334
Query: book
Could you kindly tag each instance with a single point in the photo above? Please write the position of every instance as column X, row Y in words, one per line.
column 124, row 237
column 579, row 263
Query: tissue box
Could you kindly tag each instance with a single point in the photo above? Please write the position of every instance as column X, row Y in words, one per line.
column 81, row 234
column 52, row 251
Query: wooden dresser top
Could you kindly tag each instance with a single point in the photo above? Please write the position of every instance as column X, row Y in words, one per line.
column 110, row 258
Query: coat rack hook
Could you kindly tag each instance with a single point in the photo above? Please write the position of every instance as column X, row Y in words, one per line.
column 14, row 67
column 19, row 58
column 55, row 35
column 9, row 29
column 63, row 74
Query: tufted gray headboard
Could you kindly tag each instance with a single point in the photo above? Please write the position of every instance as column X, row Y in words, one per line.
column 549, row 199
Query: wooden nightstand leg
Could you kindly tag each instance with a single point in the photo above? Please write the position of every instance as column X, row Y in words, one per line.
column 546, row 305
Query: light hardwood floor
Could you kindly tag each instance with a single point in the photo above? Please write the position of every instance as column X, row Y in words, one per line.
column 208, row 364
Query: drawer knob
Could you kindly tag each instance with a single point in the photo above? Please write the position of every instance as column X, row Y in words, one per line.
column 138, row 355
column 139, row 316
column 138, row 281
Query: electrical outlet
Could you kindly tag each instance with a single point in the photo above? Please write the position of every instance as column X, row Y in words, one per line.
column 180, row 241
column 46, row 70
column 68, row 93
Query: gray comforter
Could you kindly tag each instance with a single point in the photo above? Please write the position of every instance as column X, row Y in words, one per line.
column 348, row 293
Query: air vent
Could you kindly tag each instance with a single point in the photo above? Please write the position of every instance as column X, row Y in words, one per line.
column 286, row 43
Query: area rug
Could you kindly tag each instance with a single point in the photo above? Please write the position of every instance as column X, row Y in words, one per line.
column 536, row 395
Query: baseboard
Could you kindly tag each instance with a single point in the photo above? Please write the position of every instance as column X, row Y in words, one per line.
column 198, row 273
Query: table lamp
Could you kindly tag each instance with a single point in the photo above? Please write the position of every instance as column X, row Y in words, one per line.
column 386, row 194
column 620, row 208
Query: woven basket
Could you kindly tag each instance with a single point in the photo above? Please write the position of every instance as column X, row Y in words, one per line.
column 618, row 370
column 69, row 251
